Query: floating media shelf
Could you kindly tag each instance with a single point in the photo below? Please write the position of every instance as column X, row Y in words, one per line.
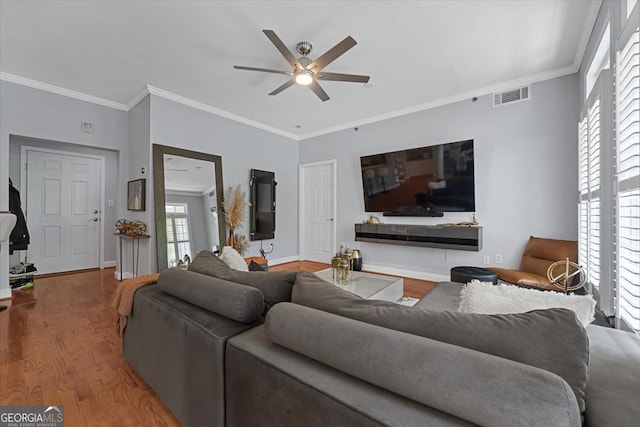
column 431, row 236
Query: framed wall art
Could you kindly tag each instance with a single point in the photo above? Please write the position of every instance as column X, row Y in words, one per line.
column 136, row 195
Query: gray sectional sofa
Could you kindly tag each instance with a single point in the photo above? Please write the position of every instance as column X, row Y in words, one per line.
column 222, row 347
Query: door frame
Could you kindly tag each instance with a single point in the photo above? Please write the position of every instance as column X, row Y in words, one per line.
column 302, row 237
column 23, row 186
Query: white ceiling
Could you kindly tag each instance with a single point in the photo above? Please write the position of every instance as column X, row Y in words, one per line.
column 419, row 54
column 184, row 174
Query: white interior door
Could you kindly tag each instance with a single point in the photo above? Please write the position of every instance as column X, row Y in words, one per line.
column 318, row 211
column 63, row 211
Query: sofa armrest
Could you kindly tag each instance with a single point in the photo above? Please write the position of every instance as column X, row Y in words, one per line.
column 474, row 386
column 614, row 384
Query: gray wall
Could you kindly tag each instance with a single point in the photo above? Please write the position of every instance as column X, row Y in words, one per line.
column 526, row 164
column 139, row 156
column 525, row 171
column 242, row 148
column 37, row 114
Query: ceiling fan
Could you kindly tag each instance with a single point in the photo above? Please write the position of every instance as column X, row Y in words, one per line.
column 305, row 71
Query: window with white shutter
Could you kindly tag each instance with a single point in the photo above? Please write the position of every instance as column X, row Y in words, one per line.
column 583, row 193
column 178, row 233
column 589, row 182
column 628, row 175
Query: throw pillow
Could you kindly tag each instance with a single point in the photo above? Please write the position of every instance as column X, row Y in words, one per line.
column 485, row 298
column 552, row 339
column 233, row 259
column 275, row 285
column 238, row 302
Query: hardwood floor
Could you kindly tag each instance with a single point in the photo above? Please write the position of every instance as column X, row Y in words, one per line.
column 59, row 346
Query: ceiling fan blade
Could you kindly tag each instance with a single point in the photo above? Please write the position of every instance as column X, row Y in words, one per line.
column 283, row 49
column 340, row 77
column 287, row 84
column 332, row 54
column 264, row 70
column 315, row 87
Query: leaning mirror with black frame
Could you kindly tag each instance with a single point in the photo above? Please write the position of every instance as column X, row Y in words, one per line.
column 188, row 192
column 262, row 214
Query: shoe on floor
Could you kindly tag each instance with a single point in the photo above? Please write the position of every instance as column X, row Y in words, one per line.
column 26, row 286
column 22, row 284
column 23, row 268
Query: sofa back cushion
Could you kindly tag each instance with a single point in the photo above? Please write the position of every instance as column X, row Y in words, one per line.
column 474, row 386
column 552, row 339
column 238, row 302
column 275, row 285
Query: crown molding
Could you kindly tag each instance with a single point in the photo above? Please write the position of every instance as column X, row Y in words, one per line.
column 137, row 98
column 151, row 90
column 227, row 115
column 61, row 91
column 509, row 85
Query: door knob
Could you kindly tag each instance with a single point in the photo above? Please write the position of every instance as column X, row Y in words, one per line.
column 95, row 211
column 329, row 219
column 95, row 219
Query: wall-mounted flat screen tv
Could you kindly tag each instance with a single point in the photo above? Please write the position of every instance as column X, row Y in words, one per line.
column 420, row 181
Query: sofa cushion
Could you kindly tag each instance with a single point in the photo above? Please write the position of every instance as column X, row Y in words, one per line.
column 275, row 285
column 552, row 339
column 238, row 302
column 475, row 386
column 233, row 259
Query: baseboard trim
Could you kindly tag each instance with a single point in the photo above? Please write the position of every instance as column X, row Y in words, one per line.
column 284, row 260
column 421, row 275
column 125, row 275
column 108, row 264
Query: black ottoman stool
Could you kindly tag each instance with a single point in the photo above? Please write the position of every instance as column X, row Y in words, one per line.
column 467, row 274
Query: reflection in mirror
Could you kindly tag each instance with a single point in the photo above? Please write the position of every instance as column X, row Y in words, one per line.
column 188, row 201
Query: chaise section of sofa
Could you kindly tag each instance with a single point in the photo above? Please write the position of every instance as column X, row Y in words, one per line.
column 269, row 385
column 309, row 367
column 178, row 347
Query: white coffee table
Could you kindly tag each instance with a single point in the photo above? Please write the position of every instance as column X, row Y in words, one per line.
column 369, row 285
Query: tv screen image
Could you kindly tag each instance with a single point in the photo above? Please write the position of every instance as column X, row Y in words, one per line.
column 420, row 181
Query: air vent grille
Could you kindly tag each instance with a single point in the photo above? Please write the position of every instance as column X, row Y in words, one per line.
column 510, row 96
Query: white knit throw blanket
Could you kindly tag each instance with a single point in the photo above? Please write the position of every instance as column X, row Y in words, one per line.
column 485, row 298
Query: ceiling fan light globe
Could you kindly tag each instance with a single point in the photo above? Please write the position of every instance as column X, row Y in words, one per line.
column 303, row 78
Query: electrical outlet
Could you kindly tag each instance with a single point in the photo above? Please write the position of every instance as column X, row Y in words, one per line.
column 498, row 258
column 487, row 259
column 86, row 127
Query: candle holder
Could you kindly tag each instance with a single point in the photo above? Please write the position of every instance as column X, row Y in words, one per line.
column 335, row 265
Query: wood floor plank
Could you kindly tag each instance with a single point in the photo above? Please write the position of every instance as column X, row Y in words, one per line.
column 59, row 346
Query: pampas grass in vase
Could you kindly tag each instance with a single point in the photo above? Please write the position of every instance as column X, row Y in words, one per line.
column 234, row 205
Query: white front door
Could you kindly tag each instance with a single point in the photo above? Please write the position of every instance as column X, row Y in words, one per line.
column 63, row 211
column 318, row 211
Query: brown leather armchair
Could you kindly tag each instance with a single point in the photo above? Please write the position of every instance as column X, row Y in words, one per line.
column 539, row 254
